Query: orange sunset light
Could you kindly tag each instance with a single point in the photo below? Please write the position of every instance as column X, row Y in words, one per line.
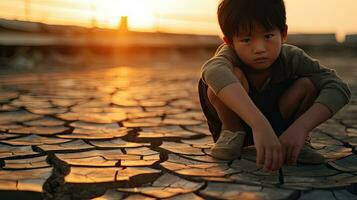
column 179, row 16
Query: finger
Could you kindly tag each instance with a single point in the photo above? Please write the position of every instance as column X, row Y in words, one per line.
column 268, row 159
column 260, row 157
column 295, row 154
column 275, row 160
column 289, row 154
column 281, row 159
column 284, row 150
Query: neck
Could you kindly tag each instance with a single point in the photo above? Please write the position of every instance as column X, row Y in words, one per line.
column 258, row 77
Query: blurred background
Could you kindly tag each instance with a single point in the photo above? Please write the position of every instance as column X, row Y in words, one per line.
column 43, row 34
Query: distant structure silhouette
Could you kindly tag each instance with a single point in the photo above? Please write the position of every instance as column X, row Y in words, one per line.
column 123, row 23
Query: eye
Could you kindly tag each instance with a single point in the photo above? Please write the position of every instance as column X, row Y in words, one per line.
column 268, row 36
column 245, row 40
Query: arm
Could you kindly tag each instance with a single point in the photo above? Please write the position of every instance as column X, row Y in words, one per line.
column 266, row 142
column 333, row 91
column 293, row 139
column 333, row 95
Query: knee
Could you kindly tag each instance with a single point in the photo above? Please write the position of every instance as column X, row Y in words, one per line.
column 241, row 77
column 306, row 85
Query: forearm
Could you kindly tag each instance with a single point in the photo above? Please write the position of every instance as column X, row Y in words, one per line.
column 314, row 116
column 236, row 98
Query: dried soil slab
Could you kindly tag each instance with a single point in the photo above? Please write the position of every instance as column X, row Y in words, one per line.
column 35, row 140
column 4, row 136
column 244, row 165
column 335, row 152
column 27, row 180
column 101, row 118
column 166, row 186
column 99, row 130
column 352, row 132
column 152, row 103
column 187, row 167
column 6, row 107
column 352, row 141
column 107, row 174
column 11, row 151
column 46, row 121
column 47, row 111
column 237, row 191
column 110, row 195
column 27, row 163
column 185, row 103
column 72, row 145
column 126, row 102
column 165, row 132
column 321, row 140
column 347, row 164
column 95, row 134
column 95, row 161
column 116, row 154
column 191, row 196
column 7, row 96
column 117, row 143
column 206, row 142
column 181, row 148
column 202, row 129
column 168, row 110
column 205, row 158
column 308, row 171
column 9, row 127
column 95, row 126
column 40, row 130
column 181, row 122
column 31, row 103
column 138, row 196
column 17, row 116
column 143, row 122
column 196, row 115
column 139, row 163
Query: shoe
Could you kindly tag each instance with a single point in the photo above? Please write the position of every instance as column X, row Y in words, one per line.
column 229, row 145
column 309, row 155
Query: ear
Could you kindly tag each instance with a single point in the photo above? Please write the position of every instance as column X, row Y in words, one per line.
column 225, row 39
column 284, row 34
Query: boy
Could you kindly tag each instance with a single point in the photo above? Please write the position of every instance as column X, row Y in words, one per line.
column 257, row 90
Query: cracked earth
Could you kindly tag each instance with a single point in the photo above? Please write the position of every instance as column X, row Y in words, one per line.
column 139, row 133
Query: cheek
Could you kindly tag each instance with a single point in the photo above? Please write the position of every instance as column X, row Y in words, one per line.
column 242, row 52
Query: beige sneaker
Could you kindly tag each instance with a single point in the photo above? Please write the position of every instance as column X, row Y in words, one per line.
column 308, row 155
column 229, row 145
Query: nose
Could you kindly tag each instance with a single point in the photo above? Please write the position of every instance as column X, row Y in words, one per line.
column 259, row 47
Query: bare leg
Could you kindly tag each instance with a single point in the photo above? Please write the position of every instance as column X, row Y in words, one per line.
column 230, row 120
column 298, row 98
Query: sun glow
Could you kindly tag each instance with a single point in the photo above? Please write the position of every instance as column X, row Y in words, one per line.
column 140, row 13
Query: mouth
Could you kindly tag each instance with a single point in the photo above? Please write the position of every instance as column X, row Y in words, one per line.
column 261, row 60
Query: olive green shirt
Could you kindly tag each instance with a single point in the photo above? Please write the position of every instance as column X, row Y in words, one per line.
column 292, row 63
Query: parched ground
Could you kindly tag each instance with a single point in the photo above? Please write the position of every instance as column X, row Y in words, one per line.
column 138, row 133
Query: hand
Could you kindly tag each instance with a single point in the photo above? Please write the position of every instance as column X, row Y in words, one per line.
column 292, row 140
column 268, row 148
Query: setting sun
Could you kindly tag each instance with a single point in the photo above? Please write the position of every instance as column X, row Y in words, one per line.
column 140, row 13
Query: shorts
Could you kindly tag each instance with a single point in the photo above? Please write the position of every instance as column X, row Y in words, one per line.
column 267, row 101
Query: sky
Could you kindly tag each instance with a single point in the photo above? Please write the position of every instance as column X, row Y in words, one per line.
column 179, row 16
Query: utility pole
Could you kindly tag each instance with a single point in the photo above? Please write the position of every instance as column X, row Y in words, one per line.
column 123, row 24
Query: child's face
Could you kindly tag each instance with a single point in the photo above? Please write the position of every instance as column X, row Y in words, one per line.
column 260, row 48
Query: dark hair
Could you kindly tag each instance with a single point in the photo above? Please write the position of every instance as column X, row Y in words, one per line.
column 235, row 16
